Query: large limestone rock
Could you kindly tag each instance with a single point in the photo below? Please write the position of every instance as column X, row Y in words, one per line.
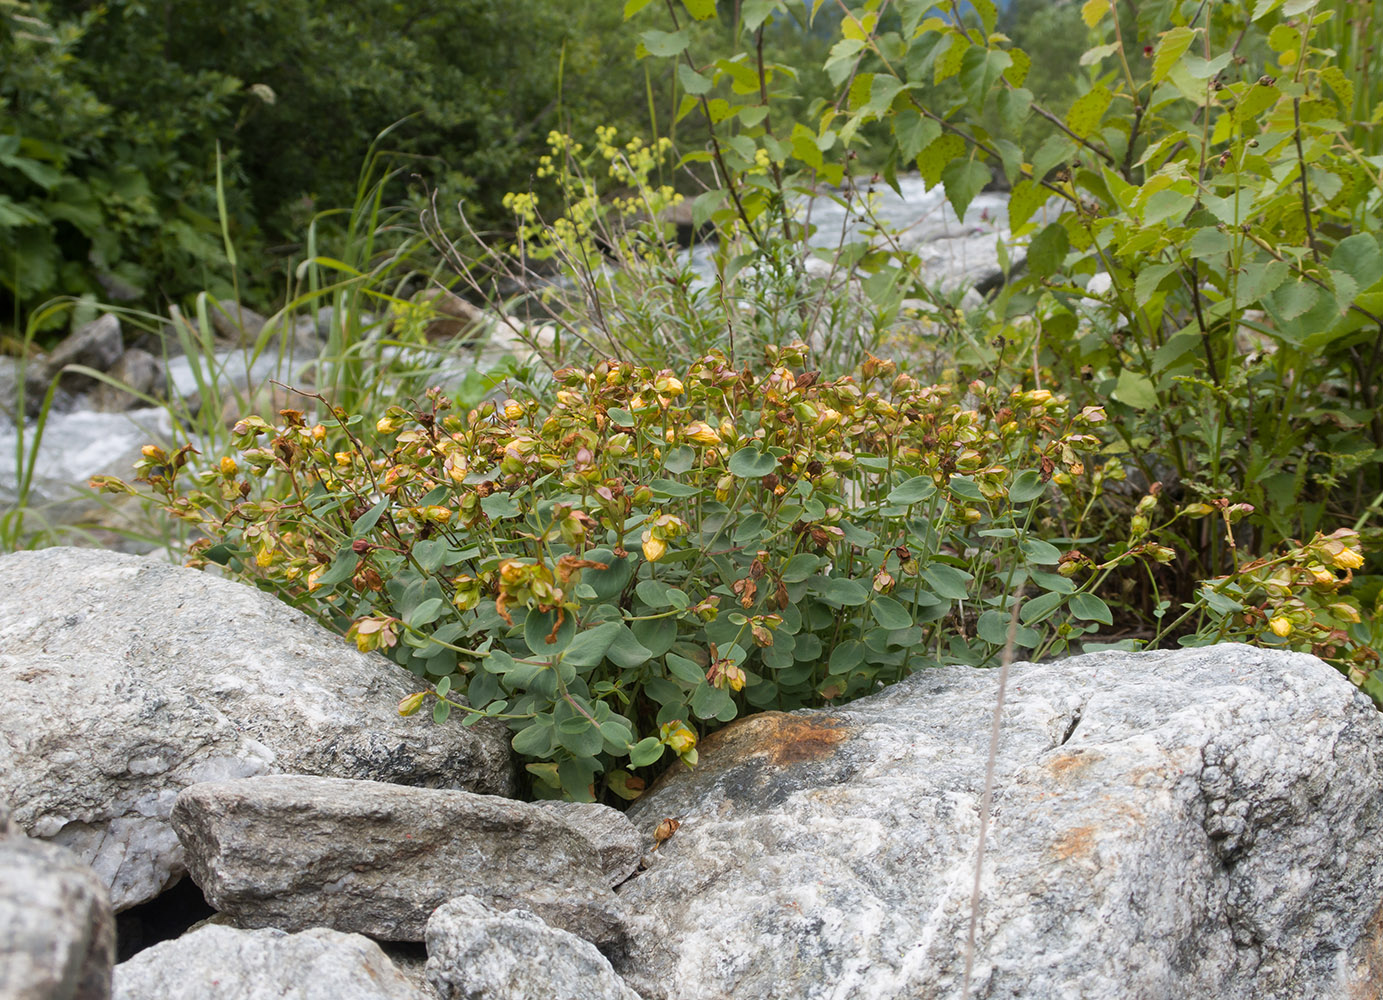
column 57, row 931
column 226, row 963
column 1202, row 823
column 123, row 680
column 293, row 851
column 477, row 953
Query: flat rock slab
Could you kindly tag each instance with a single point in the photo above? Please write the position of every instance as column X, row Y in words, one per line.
column 57, row 930
column 293, row 851
column 477, row 953
column 123, row 680
column 1200, row 823
column 226, row 963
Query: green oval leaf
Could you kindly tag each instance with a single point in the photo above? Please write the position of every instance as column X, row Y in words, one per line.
column 750, row 463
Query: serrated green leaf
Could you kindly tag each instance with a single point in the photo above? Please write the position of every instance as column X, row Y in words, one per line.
column 883, row 90
column 1145, row 286
column 693, row 83
column 1209, row 242
column 665, row 44
column 951, row 60
column 1293, row 299
column 1254, row 103
column 1359, row 257
column 963, row 179
column 1026, row 198
column 1047, row 252
column 1014, row 107
column 913, row 133
column 1170, row 49
column 1087, row 111
column 700, row 10
column 1135, row 390
column 937, row 154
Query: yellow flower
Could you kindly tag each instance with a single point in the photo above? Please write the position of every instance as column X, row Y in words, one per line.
column 676, row 735
column 653, row 548
column 1281, row 626
column 1348, row 558
column 228, row 467
column 702, row 433
column 669, row 384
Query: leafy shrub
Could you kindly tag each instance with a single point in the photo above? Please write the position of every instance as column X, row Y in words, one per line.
column 651, row 553
column 90, row 207
column 1199, row 225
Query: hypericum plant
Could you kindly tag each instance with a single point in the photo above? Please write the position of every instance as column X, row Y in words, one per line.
column 652, row 552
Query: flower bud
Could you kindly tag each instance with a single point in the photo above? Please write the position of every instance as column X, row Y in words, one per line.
column 676, row 735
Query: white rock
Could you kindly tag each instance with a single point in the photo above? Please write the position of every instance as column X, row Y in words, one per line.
column 57, row 932
column 123, row 680
column 225, row 963
column 1201, row 823
column 476, row 953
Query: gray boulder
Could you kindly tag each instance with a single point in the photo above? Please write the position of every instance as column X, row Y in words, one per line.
column 236, row 323
column 616, row 840
column 477, row 953
column 57, row 931
column 293, row 851
column 123, row 680
column 231, row 964
column 138, row 371
column 1201, row 823
column 97, row 345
